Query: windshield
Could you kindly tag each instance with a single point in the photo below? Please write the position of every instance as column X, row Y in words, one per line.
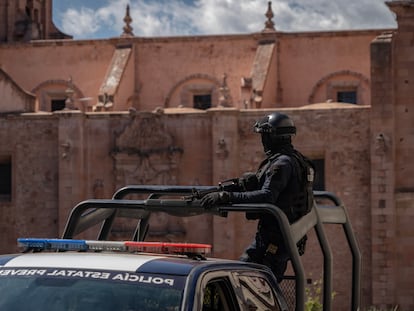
column 86, row 290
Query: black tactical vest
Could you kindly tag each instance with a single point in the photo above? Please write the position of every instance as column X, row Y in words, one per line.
column 301, row 203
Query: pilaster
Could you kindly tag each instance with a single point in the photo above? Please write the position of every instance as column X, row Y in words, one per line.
column 225, row 150
column 72, row 166
column 382, row 172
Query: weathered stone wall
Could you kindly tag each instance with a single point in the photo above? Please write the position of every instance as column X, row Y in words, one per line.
column 13, row 98
column 80, row 156
column 394, row 213
column 31, row 142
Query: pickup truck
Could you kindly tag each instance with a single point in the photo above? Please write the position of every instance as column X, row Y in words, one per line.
column 82, row 275
column 74, row 274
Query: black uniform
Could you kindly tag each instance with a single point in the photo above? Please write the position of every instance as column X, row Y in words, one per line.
column 280, row 179
column 284, row 179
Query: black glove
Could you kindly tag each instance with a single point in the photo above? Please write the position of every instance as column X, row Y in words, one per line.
column 214, row 198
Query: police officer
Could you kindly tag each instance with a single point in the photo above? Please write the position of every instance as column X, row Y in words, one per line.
column 284, row 179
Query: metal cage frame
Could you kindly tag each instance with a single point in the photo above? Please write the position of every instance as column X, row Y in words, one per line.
column 171, row 200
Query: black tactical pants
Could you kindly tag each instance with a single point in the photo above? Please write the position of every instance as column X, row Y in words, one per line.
column 268, row 249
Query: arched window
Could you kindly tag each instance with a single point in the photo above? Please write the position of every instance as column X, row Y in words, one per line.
column 56, row 95
column 343, row 87
column 198, row 91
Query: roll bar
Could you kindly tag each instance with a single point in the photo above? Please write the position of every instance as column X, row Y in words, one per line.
column 169, row 199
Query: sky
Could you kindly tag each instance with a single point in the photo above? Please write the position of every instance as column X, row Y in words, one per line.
column 97, row 19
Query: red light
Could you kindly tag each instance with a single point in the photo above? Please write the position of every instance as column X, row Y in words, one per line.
column 168, row 248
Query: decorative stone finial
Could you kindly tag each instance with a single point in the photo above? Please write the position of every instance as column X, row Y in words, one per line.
column 127, row 28
column 224, row 93
column 69, row 102
column 269, row 25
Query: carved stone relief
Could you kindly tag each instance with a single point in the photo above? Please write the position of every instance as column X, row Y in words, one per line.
column 146, row 154
column 222, row 149
column 225, row 99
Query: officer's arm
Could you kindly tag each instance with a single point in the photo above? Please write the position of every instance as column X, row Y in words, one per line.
column 276, row 179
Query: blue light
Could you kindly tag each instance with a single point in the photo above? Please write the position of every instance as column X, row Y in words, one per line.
column 56, row 244
column 32, row 243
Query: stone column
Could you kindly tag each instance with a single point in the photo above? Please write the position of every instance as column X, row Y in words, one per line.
column 72, row 170
column 402, row 90
column 382, row 172
column 225, row 165
column 403, row 86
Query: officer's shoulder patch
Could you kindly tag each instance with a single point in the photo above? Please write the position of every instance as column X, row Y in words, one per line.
column 273, row 169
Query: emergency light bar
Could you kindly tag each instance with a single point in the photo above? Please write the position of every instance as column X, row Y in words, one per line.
column 125, row 246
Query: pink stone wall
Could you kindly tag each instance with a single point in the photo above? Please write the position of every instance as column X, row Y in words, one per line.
column 30, row 65
column 14, row 98
column 81, row 156
column 161, row 71
column 164, row 66
column 306, row 59
column 32, row 210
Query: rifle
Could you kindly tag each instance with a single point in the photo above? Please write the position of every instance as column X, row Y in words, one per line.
column 247, row 182
column 227, row 185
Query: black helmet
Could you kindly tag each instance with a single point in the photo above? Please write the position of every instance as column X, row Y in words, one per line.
column 278, row 124
column 276, row 129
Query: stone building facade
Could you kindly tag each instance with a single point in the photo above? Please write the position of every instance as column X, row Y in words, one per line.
column 80, row 119
column 25, row 20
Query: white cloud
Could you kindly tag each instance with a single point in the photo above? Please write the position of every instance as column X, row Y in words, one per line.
column 231, row 16
column 332, row 15
column 79, row 22
column 179, row 17
column 86, row 22
column 161, row 18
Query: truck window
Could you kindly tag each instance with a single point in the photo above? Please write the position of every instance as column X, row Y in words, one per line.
column 257, row 293
column 218, row 296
